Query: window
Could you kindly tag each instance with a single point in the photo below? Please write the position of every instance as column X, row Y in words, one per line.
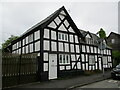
column 112, row 40
column 91, row 60
column 62, row 36
column 59, row 36
column 64, row 59
column 60, row 59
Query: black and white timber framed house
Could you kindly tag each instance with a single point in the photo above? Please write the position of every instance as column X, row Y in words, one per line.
column 58, row 42
column 91, row 54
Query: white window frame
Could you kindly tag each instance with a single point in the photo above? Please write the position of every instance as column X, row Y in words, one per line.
column 64, row 59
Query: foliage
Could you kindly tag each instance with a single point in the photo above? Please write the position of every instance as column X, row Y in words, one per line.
column 116, row 57
column 102, row 33
column 7, row 42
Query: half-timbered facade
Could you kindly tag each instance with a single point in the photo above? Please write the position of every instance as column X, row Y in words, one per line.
column 91, row 55
column 58, row 43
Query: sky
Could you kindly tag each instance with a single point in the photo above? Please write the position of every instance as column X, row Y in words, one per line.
column 18, row 17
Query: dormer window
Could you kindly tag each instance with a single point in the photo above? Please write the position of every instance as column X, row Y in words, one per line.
column 89, row 41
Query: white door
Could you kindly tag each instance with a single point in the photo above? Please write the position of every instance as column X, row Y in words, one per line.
column 52, row 66
column 100, row 63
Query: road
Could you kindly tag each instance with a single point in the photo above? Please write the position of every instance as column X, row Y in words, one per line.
column 109, row 83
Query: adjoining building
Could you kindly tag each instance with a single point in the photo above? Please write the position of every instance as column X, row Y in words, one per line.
column 113, row 40
column 62, row 48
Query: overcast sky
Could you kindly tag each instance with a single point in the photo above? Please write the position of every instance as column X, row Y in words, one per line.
column 18, row 17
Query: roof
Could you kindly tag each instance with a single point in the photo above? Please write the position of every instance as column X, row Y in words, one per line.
column 91, row 34
column 113, row 33
column 47, row 20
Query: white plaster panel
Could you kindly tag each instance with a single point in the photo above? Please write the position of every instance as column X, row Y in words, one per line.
column 62, row 12
column 72, row 47
column 73, row 57
column 27, row 49
column 88, row 49
column 83, row 66
column 95, row 57
column 71, row 30
column 60, row 46
column 78, row 65
column 53, row 35
column 26, row 40
column 62, row 68
column 86, row 57
column 30, row 38
column 77, row 49
column 57, row 20
column 86, row 66
column 83, row 48
column 96, row 65
column 66, row 47
column 52, row 25
column 37, row 35
column 71, row 38
column 83, row 58
column 61, row 17
column 46, row 33
column 73, row 63
column 54, row 46
column 91, row 49
column 23, row 50
column 76, row 39
column 66, row 23
column 37, row 46
column 31, row 47
column 45, row 66
column 45, row 56
column 46, row 45
column 23, row 42
column 68, row 67
column 88, row 36
column 62, row 28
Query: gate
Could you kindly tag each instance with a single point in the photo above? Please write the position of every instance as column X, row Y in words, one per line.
column 18, row 69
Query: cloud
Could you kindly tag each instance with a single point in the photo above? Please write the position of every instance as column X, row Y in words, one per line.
column 19, row 17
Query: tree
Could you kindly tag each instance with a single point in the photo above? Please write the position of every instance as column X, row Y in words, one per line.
column 102, row 33
column 116, row 57
column 7, row 42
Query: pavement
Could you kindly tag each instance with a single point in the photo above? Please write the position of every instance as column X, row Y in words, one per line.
column 65, row 84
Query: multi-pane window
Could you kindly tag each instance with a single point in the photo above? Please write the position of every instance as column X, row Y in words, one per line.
column 64, row 59
column 89, row 41
column 63, row 36
column 91, row 60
